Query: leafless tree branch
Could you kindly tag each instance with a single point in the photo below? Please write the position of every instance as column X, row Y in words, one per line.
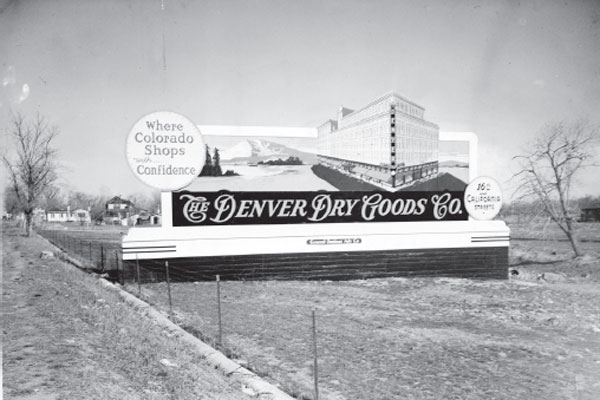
column 548, row 168
column 32, row 167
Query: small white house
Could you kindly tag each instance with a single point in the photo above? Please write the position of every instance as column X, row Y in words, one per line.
column 58, row 215
column 79, row 215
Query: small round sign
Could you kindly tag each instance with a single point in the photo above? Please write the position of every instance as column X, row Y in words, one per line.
column 165, row 150
column 483, row 198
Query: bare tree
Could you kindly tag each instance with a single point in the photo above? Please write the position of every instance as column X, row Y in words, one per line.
column 33, row 163
column 548, row 168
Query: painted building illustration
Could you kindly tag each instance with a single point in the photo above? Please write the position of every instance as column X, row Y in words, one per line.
column 387, row 143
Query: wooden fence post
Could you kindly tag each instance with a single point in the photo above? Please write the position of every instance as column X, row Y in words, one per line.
column 102, row 257
column 316, row 369
column 169, row 288
column 220, row 332
column 117, row 262
column 137, row 267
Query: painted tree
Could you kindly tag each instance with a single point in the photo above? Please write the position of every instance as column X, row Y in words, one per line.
column 32, row 164
column 207, row 169
column 217, row 163
column 548, row 169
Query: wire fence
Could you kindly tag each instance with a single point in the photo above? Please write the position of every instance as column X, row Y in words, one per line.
column 218, row 312
column 99, row 253
column 312, row 337
column 179, row 290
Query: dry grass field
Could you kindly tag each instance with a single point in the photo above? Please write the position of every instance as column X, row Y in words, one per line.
column 536, row 335
column 66, row 337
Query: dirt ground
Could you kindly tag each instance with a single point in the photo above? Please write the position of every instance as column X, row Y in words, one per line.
column 65, row 337
column 535, row 336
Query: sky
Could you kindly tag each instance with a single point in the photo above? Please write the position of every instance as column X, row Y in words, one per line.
column 501, row 69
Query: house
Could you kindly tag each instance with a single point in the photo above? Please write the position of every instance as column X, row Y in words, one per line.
column 591, row 214
column 147, row 218
column 82, row 216
column 118, row 211
column 59, row 215
column 66, row 215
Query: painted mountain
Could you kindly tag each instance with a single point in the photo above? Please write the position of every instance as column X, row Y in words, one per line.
column 251, row 151
column 453, row 164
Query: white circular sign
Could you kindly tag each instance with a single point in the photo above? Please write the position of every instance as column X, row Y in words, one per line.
column 483, row 198
column 165, row 150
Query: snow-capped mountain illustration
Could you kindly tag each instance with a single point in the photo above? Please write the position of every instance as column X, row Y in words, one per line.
column 255, row 150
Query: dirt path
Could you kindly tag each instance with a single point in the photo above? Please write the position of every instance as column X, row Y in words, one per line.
column 64, row 337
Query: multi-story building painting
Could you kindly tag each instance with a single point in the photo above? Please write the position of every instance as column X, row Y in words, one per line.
column 387, row 143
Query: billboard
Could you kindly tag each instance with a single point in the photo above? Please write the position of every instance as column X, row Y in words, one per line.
column 378, row 192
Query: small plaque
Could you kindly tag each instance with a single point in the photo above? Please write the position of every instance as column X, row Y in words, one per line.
column 165, row 150
column 483, row 198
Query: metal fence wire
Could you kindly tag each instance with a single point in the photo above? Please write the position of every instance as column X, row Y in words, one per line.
column 168, row 287
column 97, row 255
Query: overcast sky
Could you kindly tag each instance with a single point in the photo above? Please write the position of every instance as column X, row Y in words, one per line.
column 501, row 69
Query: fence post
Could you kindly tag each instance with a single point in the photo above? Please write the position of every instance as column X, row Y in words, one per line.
column 117, row 262
column 102, row 257
column 137, row 267
column 90, row 246
column 169, row 288
column 316, row 370
column 220, row 334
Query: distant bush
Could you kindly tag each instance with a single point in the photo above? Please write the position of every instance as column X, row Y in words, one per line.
column 289, row 161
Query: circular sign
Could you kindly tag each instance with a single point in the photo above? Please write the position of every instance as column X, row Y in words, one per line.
column 483, row 198
column 165, row 150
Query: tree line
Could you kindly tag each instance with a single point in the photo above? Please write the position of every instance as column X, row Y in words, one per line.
column 291, row 160
column 57, row 198
column 534, row 208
